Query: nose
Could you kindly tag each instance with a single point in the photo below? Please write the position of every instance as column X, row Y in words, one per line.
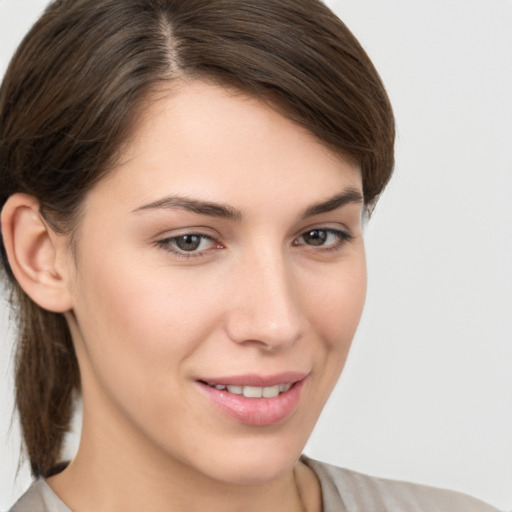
column 265, row 307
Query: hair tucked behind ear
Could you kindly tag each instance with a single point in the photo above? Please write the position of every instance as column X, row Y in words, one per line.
column 75, row 86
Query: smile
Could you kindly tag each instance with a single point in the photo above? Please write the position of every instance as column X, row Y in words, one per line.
column 236, row 396
column 253, row 391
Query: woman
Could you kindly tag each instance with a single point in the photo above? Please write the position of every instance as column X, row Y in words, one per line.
column 183, row 189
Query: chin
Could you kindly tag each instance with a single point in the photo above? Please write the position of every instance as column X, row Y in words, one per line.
column 252, row 465
column 256, row 470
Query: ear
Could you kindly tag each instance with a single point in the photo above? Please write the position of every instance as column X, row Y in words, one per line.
column 38, row 256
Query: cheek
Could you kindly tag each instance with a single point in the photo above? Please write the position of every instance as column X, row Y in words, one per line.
column 336, row 306
column 137, row 323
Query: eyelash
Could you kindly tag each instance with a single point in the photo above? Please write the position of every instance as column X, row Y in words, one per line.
column 342, row 238
column 167, row 243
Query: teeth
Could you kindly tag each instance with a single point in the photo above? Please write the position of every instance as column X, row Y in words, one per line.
column 270, row 392
column 255, row 391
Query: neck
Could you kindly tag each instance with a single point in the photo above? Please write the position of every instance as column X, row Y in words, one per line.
column 114, row 472
column 104, row 488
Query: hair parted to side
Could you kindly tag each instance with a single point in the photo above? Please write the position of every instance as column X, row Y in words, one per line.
column 69, row 99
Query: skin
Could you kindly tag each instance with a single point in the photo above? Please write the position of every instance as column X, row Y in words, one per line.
column 257, row 297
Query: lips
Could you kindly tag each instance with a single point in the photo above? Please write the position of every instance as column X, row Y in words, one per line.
column 253, row 391
column 255, row 400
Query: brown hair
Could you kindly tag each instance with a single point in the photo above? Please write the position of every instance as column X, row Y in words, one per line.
column 73, row 88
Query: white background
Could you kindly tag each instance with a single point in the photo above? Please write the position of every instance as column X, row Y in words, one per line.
column 427, row 392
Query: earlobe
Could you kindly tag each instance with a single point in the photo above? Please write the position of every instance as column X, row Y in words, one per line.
column 36, row 254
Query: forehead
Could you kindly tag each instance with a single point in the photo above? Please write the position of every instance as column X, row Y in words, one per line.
column 215, row 143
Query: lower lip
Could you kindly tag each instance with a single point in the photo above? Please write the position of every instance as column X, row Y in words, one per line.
column 256, row 411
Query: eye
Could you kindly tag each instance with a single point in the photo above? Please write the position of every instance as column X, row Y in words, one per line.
column 326, row 238
column 189, row 244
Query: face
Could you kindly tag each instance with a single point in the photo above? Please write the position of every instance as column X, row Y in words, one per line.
column 219, row 279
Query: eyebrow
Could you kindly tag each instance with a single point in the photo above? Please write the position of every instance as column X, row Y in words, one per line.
column 350, row 195
column 196, row 206
column 224, row 211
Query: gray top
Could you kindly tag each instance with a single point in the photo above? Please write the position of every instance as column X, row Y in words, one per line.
column 39, row 498
column 348, row 491
column 342, row 491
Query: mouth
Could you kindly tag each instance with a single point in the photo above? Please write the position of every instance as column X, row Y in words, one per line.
column 252, row 391
column 255, row 400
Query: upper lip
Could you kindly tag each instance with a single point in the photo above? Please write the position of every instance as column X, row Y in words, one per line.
column 256, row 380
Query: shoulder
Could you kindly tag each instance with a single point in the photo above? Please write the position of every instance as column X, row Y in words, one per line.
column 39, row 498
column 345, row 490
